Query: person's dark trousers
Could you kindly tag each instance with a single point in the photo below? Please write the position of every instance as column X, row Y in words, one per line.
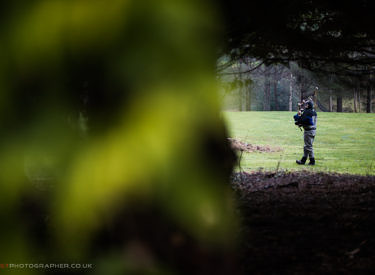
column 308, row 151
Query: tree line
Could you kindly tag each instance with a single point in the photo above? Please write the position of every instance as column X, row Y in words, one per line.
column 250, row 85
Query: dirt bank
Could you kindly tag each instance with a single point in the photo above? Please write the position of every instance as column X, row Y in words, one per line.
column 304, row 223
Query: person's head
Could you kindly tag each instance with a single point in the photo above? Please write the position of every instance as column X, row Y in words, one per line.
column 309, row 105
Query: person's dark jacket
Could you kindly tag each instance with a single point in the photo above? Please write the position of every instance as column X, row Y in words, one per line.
column 307, row 119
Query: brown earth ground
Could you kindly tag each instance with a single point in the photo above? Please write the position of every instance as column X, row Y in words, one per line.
column 241, row 146
column 305, row 223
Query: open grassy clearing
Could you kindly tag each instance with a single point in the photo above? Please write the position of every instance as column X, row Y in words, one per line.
column 345, row 142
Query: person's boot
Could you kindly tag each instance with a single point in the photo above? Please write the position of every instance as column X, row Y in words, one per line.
column 312, row 161
column 302, row 161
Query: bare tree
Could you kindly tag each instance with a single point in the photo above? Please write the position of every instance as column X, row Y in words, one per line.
column 339, row 104
column 267, row 90
column 369, row 99
column 290, row 100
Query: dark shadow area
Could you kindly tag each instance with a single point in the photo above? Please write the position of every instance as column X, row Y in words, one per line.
column 303, row 223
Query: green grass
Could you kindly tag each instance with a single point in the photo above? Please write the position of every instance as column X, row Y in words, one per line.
column 344, row 142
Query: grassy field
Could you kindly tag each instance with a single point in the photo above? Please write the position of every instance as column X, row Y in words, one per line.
column 344, row 143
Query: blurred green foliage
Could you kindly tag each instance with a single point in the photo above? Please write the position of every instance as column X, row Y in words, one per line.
column 106, row 105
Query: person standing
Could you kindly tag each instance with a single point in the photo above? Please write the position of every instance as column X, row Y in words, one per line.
column 307, row 120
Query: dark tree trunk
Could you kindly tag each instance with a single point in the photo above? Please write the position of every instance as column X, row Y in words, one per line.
column 267, row 92
column 240, row 99
column 369, row 99
column 339, row 104
column 291, row 93
column 359, row 100
column 355, row 101
column 275, row 95
column 240, row 94
column 248, row 99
